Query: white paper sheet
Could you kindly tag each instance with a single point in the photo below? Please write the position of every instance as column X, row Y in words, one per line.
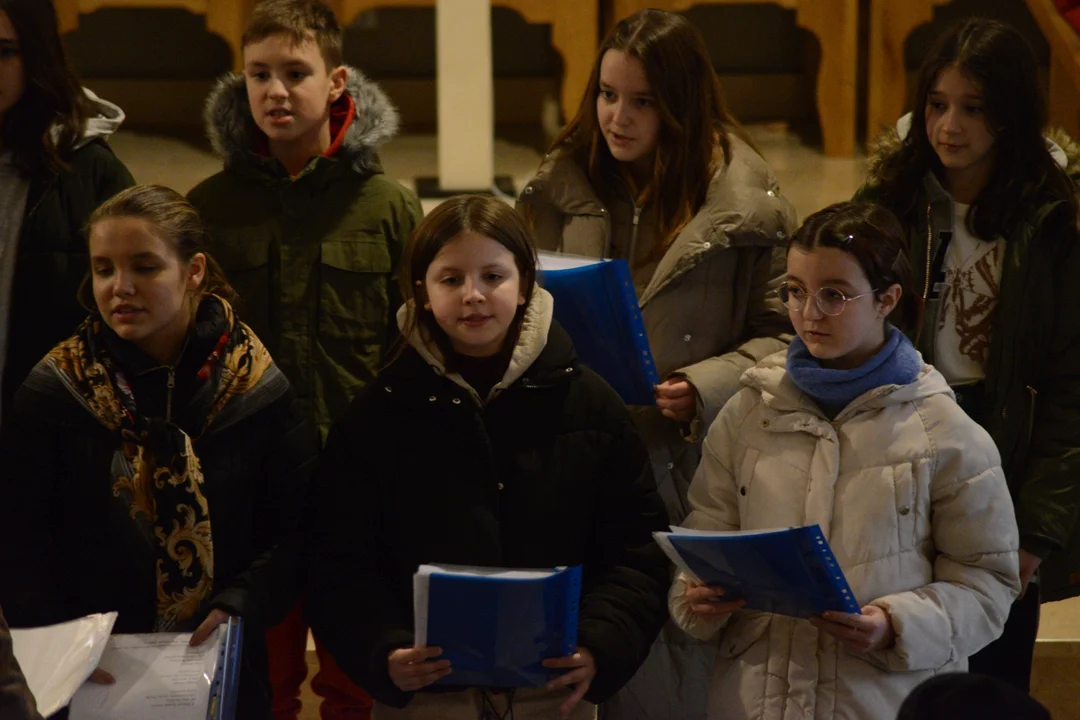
column 57, row 659
column 157, row 676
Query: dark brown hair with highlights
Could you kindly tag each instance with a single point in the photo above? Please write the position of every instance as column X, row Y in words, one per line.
column 995, row 57
column 296, row 19
column 695, row 124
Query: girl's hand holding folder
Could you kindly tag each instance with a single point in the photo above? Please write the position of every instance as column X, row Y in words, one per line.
column 582, row 670
column 677, row 399
column 411, row 669
column 706, row 602
column 208, row 626
column 872, row 630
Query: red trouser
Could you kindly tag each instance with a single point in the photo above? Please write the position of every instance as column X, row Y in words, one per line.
column 286, row 646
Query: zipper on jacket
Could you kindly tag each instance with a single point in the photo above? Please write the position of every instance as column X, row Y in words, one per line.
column 1031, row 414
column 926, row 285
column 170, row 383
column 633, row 238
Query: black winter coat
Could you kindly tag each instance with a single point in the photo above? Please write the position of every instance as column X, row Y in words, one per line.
column 52, row 257
column 70, row 547
column 549, row 473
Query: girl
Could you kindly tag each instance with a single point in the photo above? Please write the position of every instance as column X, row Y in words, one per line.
column 484, row 442
column 655, row 170
column 55, row 168
column 161, row 419
column 850, row 430
column 989, row 206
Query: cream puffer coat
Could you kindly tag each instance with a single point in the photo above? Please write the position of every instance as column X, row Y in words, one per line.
column 910, row 494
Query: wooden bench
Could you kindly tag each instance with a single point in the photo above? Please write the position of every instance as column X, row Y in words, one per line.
column 225, row 18
column 891, row 21
column 575, row 29
column 1064, row 92
column 836, row 24
column 575, row 26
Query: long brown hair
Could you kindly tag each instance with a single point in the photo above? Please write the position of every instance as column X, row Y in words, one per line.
column 175, row 221
column 695, row 124
column 997, row 58
column 43, row 127
column 480, row 214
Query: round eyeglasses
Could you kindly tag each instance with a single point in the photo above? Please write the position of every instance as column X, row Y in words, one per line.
column 829, row 300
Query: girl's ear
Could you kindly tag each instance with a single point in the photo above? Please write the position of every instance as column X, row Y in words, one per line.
column 196, row 272
column 420, row 296
column 888, row 300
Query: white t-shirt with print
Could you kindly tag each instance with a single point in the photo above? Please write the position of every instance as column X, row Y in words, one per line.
column 968, row 299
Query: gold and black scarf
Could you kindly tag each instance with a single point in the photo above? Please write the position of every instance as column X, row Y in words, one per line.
column 155, row 470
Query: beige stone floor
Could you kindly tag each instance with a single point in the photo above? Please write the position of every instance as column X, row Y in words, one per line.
column 808, row 178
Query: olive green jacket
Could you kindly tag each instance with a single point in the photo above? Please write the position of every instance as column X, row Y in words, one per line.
column 314, row 257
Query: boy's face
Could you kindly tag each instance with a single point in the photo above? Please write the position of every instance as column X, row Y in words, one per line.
column 290, row 89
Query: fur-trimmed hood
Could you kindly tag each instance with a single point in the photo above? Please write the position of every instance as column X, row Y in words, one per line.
column 1064, row 150
column 233, row 133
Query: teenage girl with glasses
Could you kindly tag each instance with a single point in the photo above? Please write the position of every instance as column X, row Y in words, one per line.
column 849, row 429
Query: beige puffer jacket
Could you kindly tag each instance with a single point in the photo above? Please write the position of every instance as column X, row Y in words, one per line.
column 709, row 315
column 910, row 494
column 707, row 306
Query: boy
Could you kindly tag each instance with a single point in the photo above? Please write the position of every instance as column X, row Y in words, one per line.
column 309, row 232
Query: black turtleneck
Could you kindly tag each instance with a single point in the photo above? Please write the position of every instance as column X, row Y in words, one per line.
column 482, row 373
column 149, row 378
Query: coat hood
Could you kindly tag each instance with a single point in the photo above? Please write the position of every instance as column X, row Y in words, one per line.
column 778, row 390
column 104, row 120
column 234, row 135
column 535, row 326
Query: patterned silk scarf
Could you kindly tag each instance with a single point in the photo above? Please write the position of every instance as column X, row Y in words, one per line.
column 155, row 469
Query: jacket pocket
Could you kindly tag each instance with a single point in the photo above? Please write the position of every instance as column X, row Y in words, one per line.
column 353, row 286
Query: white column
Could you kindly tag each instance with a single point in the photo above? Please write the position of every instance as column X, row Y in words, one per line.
column 465, row 87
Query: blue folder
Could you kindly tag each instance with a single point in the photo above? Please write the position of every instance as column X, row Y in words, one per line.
column 789, row 572
column 496, row 626
column 226, row 682
column 596, row 304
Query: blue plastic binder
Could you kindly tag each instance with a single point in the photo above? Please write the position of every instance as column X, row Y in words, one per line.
column 496, row 626
column 789, row 572
column 226, row 682
column 596, row 304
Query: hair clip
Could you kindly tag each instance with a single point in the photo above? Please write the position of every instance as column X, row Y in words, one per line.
column 849, row 239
